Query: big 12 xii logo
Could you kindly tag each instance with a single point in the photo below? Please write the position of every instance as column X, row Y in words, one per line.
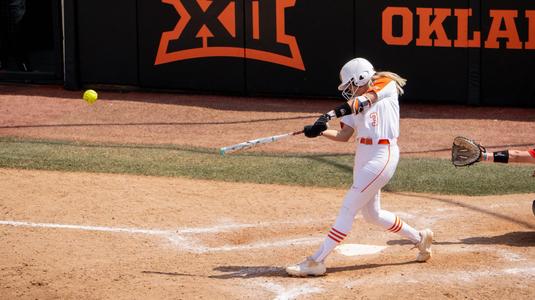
column 252, row 29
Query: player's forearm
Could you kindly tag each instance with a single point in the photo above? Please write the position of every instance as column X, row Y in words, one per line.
column 508, row 156
column 335, row 135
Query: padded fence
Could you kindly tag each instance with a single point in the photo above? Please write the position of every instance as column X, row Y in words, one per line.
column 458, row 52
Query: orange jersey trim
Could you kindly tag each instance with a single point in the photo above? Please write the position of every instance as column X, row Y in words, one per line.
column 379, row 84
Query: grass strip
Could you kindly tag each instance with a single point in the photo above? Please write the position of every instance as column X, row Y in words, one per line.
column 321, row 170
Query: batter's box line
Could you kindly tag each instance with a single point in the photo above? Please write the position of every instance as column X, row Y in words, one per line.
column 182, row 242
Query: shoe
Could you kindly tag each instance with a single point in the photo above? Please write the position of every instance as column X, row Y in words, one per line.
column 308, row 267
column 425, row 245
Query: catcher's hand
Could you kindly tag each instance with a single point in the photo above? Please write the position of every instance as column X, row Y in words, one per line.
column 465, row 152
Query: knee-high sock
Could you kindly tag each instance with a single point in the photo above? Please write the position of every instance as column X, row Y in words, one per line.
column 336, row 235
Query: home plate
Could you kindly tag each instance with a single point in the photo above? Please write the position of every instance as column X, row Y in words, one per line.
column 358, row 249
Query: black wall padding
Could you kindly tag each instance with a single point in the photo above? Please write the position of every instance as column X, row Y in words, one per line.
column 72, row 79
column 107, row 41
column 455, row 52
column 185, row 62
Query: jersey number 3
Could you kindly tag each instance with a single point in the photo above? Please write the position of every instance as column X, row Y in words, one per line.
column 374, row 117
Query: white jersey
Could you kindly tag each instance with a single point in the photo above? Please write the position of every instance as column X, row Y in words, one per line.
column 381, row 120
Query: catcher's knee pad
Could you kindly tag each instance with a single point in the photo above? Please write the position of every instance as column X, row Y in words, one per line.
column 501, row 156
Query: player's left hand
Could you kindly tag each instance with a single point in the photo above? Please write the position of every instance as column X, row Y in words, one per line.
column 319, row 126
column 310, row 132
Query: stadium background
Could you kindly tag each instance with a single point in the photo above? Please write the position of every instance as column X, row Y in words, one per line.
column 128, row 198
column 116, row 44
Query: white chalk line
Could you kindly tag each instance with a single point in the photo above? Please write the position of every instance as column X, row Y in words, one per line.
column 86, row 228
column 180, row 238
column 289, row 292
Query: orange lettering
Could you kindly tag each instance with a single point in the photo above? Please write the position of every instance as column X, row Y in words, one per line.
column 256, row 21
column 225, row 16
column 462, row 30
column 530, row 44
column 387, row 32
column 427, row 27
column 510, row 33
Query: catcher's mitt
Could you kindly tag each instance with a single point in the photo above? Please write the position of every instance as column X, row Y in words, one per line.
column 465, row 152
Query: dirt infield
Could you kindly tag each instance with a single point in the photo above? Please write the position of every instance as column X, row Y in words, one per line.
column 103, row 236
column 94, row 236
column 216, row 121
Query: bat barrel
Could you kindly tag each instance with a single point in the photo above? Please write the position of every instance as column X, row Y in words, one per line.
column 255, row 142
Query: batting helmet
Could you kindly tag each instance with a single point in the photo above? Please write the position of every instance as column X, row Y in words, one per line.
column 358, row 72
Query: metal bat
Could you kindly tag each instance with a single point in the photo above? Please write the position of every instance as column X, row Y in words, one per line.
column 256, row 142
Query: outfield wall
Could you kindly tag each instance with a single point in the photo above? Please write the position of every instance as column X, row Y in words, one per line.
column 463, row 52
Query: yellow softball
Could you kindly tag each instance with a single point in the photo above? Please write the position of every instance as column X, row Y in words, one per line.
column 90, row 96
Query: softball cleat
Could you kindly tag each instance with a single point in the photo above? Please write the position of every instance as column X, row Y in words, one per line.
column 425, row 245
column 308, row 267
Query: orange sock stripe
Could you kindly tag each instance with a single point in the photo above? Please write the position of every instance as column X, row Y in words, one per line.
column 399, row 227
column 340, row 233
column 336, row 235
column 396, row 223
column 333, row 238
column 396, row 227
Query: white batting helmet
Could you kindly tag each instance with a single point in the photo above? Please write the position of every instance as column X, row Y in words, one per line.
column 358, row 70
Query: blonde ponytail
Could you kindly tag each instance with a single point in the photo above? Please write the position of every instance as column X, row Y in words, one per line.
column 400, row 81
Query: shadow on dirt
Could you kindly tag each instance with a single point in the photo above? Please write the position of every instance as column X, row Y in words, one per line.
column 368, row 266
column 158, row 123
column 248, row 272
column 263, row 271
column 169, row 273
column 514, row 239
column 473, row 208
column 227, row 102
column 316, row 105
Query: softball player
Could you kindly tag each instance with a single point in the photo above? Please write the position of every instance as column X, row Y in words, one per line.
column 509, row 156
column 372, row 111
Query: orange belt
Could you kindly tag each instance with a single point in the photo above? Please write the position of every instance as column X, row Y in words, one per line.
column 369, row 141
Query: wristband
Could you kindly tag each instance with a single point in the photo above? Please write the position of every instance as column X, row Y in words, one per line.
column 501, row 156
column 343, row 110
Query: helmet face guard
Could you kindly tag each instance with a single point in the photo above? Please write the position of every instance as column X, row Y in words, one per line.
column 348, row 92
column 351, row 89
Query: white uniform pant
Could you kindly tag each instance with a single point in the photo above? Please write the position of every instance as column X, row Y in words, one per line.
column 374, row 167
